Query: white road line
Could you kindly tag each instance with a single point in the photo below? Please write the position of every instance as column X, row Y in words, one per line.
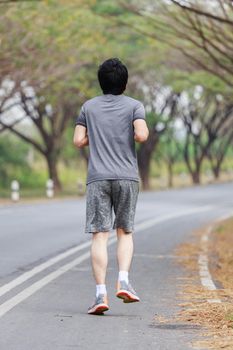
column 39, row 268
column 203, row 261
column 26, row 275
column 27, row 292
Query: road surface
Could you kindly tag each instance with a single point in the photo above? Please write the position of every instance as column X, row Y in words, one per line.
column 46, row 282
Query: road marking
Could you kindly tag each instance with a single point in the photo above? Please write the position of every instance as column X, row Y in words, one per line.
column 203, row 261
column 25, row 276
column 27, row 292
column 39, row 268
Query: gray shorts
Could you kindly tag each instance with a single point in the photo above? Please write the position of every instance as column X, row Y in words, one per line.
column 103, row 196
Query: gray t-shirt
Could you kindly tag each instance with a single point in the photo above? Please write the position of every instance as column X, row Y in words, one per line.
column 109, row 122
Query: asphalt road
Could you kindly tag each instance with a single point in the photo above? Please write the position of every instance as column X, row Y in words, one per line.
column 46, row 282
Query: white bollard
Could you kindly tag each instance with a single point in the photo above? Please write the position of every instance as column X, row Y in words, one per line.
column 15, row 191
column 50, row 188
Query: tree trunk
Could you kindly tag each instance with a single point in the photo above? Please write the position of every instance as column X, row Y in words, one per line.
column 196, row 177
column 170, row 174
column 144, row 159
column 144, row 169
column 217, row 164
column 53, row 173
column 195, row 170
column 216, row 171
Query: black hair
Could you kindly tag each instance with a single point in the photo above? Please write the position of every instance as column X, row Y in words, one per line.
column 113, row 76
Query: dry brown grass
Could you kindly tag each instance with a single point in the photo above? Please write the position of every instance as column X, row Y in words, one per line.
column 215, row 319
column 221, row 246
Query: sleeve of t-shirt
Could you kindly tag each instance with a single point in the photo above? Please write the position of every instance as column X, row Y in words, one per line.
column 81, row 118
column 139, row 112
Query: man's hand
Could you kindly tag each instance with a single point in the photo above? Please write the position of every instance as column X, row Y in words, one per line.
column 80, row 136
column 141, row 131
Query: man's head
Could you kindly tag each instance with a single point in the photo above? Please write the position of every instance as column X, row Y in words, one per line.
column 113, row 76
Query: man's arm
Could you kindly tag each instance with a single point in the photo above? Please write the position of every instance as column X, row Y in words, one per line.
column 80, row 136
column 141, row 131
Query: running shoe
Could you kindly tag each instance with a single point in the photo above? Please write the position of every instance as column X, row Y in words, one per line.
column 126, row 292
column 100, row 305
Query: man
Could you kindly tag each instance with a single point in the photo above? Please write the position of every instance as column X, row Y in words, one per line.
column 110, row 124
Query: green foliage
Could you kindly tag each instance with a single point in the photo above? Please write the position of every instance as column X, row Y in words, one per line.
column 105, row 7
column 31, row 179
column 181, row 81
column 12, row 157
column 152, row 119
column 69, row 152
column 14, row 164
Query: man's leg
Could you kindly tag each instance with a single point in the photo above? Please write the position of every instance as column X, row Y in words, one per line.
column 124, row 253
column 125, row 193
column 124, row 258
column 99, row 256
column 99, row 259
column 98, row 223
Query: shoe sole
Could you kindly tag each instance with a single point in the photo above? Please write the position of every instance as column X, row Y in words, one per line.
column 127, row 297
column 98, row 310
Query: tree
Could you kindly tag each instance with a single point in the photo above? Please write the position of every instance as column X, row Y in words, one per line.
column 218, row 150
column 208, row 28
column 204, row 117
column 160, row 103
column 49, row 123
column 194, row 42
column 197, row 34
column 45, row 71
column 170, row 150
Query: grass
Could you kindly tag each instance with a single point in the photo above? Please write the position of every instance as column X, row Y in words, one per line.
column 229, row 317
column 221, row 247
column 215, row 318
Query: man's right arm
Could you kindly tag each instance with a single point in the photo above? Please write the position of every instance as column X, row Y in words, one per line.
column 80, row 138
column 141, row 131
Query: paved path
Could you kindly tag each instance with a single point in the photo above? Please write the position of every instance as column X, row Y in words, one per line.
column 46, row 281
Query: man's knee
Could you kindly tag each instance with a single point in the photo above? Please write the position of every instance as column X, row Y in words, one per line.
column 100, row 236
column 123, row 232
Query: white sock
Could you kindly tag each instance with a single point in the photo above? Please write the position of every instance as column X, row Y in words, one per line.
column 124, row 276
column 101, row 289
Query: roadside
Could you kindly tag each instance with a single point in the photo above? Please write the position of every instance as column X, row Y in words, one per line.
column 210, row 309
column 157, row 184
column 34, row 200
